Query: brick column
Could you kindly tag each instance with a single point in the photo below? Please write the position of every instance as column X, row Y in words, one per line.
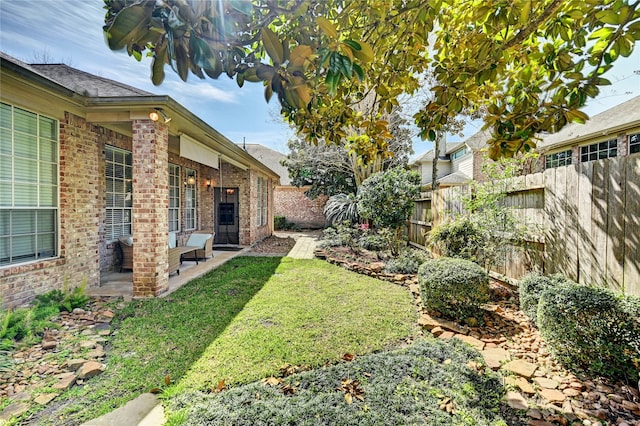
column 150, row 208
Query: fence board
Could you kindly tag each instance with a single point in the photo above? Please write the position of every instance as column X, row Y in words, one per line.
column 570, row 201
column 615, row 224
column 632, row 226
column 552, row 213
column 586, row 248
column 599, row 223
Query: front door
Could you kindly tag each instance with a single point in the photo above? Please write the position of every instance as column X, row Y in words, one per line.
column 227, row 216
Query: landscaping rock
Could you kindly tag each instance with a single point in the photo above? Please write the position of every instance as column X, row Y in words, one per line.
column 478, row 344
column 90, row 369
column 65, row 383
column 543, row 382
column 515, row 400
column 525, row 386
column 494, row 357
column 552, row 395
column 74, row 364
column 521, row 368
column 14, row 410
column 45, row 398
column 48, row 345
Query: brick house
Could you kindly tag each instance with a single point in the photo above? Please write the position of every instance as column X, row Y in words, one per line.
column 290, row 201
column 84, row 160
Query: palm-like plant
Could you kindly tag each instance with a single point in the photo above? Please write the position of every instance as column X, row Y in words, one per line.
column 341, row 208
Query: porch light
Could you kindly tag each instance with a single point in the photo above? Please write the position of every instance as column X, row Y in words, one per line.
column 209, row 183
column 157, row 113
column 230, row 191
column 191, row 180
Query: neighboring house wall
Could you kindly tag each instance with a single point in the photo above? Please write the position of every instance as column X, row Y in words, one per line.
column 463, row 164
column 292, row 203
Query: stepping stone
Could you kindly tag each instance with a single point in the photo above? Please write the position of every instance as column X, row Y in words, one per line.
column 446, row 335
column 65, row 383
column 494, row 357
column 521, row 368
column 515, row 400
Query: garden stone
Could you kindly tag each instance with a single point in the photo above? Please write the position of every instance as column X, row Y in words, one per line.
column 90, row 369
column 65, row 383
column 22, row 396
column 45, row 398
column 525, row 386
column 516, row 400
column 494, row 357
column 16, row 409
column 552, row 395
column 521, row 368
column 74, row 364
column 546, row 383
column 478, row 344
column 50, row 344
column 437, row 331
column 446, row 335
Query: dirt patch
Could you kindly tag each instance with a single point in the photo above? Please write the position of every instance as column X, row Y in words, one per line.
column 274, row 246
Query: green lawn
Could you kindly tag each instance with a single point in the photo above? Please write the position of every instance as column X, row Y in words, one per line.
column 241, row 322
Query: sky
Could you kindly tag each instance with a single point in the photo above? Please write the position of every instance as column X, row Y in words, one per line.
column 71, row 32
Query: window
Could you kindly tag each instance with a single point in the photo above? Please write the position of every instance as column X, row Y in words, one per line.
column 599, row 151
column 558, row 159
column 28, row 186
column 634, row 143
column 190, row 199
column 119, row 174
column 459, row 153
column 262, row 201
column 174, row 198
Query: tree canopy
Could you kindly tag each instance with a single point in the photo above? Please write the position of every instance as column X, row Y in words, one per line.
column 526, row 66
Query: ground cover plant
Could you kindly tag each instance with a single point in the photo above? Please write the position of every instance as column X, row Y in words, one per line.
column 258, row 312
column 430, row 382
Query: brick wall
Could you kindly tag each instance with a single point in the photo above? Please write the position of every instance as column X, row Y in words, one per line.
column 297, row 208
column 81, row 208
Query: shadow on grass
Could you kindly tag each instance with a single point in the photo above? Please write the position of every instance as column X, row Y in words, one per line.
column 156, row 338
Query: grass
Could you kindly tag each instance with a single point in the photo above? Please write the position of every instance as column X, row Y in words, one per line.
column 428, row 383
column 241, row 322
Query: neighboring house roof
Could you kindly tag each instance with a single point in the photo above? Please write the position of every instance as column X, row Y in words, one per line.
column 429, row 155
column 85, row 83
column 271, row 159
column 610, row 122
column 478, row 140
column 456, row 178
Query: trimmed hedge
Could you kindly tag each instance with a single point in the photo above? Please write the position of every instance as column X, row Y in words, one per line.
column 459, row 238
column 593, row 329
column 531, row 288
column 454, row 287
column 279, row 222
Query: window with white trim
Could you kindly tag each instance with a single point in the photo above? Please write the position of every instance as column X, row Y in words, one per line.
column 190, row 199
column 119, row 177
column 634, row 143
column 558, row 159
column 174, row 198
column 599, row 151
column 459, row 153
column 28, row 186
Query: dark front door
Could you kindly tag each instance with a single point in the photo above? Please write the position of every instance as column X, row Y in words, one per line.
column 227, row 223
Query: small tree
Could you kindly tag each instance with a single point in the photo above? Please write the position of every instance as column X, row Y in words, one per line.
column 387, row 199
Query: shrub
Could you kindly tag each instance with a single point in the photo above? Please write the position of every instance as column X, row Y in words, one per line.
column 341, row 208
column 407, row 262
column 458, row 238
column 330, row 238
column 453, row 287
column 279, row 222
column 372, row 241
column 531, row 288
column 592, row 329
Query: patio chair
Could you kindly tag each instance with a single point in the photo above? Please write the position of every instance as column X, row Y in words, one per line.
column 205, row 243
column 126, row 245
column 174, row 254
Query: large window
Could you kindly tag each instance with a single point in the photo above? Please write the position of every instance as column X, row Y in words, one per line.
column 634, row 143
column 28, row 186
column 174, row 198
column 262, row 201
column 119, row 172
column 190, row 199
column 558, row 159
column 599, row 151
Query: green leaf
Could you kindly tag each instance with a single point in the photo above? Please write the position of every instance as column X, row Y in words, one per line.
column 602, row 33
column 354, row 45
column 365, row 54
column 345, row 66
column 359, row 73
column 268, row 92
column 157, row 66
column 265, row 72
column 130, row 25
column 272, row 45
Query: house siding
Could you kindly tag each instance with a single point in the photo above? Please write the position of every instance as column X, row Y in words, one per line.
column 463, row 164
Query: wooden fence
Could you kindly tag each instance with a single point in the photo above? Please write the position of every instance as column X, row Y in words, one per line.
column 585, row 221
